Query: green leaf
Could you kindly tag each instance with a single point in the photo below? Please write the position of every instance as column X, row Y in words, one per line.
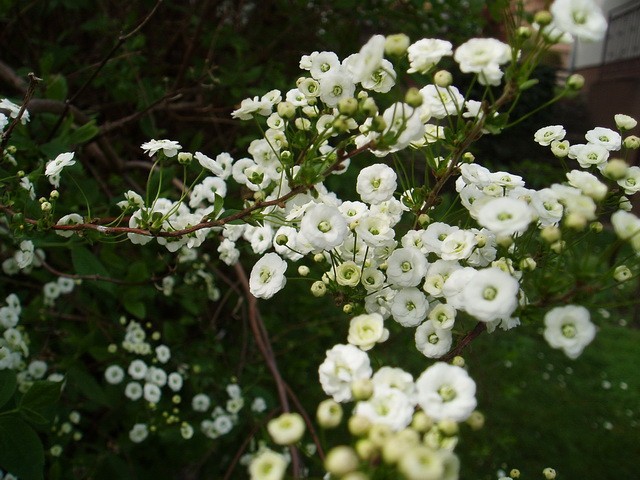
column 21, row 451
column 86, row 263
column 135, row 307
column 84, row 133
column 38, row 403
column 57, row 88
column 8, row 385
column 86, row 384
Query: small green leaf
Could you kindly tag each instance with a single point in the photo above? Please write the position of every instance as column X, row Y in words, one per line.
column 86, row 263
column 528, row 84
column 56, row 88
column 8, row 385
column 21, row 451
column 86, row 384
column 135, row 307
column 84, row 133
column 38, row 403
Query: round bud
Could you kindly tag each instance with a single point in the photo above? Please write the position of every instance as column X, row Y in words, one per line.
column 622, row 273
column 514, row 473
column 421, row 422
column 303, row 270
column 45, row 206
column 523, row 32
column 362, row 389
column 448, row 427
column 575, row 82
column 303, row 124
column 468, row 157
column 558, row 247
column 550, row 234
column 424, row 219
column 443, row 78
column 347, row 308
column 318, row 289
column 348, row 106
column 355, row 476
column 54, row 195
column 365, row 449
column 615, row 169
column 576, row 221
column 378, row 124
column 286, row 429
column 318, row 257
column 184, row 158
column 282, row 239
column 286, row 110
column 359, row 425
column 528, row 264
column 632, row 142
column 329, row 413
column 560, row 148
column 549, row 473
column 625, row 122
column 379, row 434
column 369, row 107
column 543, row 18
column 396, row 45
column 476, row 420
column 341, row 460
column 20, row 174
column 413, row 97
column 596, row 227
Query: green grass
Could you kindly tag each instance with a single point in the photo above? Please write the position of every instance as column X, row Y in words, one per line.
column 542, row 409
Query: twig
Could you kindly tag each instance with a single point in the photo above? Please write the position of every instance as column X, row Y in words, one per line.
column 466, row 340
column 33, row 82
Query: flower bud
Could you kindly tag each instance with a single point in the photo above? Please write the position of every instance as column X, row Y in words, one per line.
column 596, row 227
column 20, row 173
column 443, row 78
column 303, row 124
column 421, row 422
column 413, row 97
column 365, row 449
column 45, row 206
column 282, row 239
column 396, row 45
column 543, row 18
column 622, row 273
column 523, row 32
column 355, row 476
column 347, row 308
column 448, row 427
column 369, row 107
column 625, row 122
column 615, row 169
column 549, row 473
column 378, row 124
column 560, row 148
column 576, row 221
column 329, row 413
column 341, row 460
column 303, row 270
column 379, row 433
column 348, row 106
column 54, row 195
column 399, row 443
column 550, row 234
column 476, row 420
column 575, row 82
column 362, row 389
column 286, row 429
column 527, row 264
column 286, row 110
column 358, row 425
column 514, row 473
column 318, row 257
column 318, row 289
column 424, row 219
column 468, row 157
column 632, row 142
column 184, row 158
column 558, row 247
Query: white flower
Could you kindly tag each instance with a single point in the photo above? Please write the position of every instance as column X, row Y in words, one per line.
column 442, row 101
column 426, row 53
column 137, row 369
column 406, row 267
column 201, row 402
column 250, row 106
column 588, row 154
column 151, row 392
column 387, row 406
column 163, row 353
column 569, row 328
column 505, row 216
column 404, row 126
column 483, row 56
column 366, row 330
column 286, row 429
column 376, row 183
column 335, row 86
column 409, row 307
column 14, row 110
column 582, row 18
column 625, row 122
column 627, row 227
column 546, row 135
column 491, row 294
column 323, row 226
column 209, row 164
column 343, row 365
column 587, row 183
column 631, row 181
column 446, row 392
column 139, row 433
column 174, row 381
column 458, row 245
column 133, row 391
column 258, row 405
column 375, row 230
column 114, row 374
column 432, row 341
column 606, row 137
column 169, row 147
column 268, row 465
column 368, row 60
column 267, row 276
column 55, row 166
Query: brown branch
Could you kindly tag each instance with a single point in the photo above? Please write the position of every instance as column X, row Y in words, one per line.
column 464, row 342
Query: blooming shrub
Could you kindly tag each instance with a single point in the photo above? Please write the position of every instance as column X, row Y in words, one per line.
column 429, row 241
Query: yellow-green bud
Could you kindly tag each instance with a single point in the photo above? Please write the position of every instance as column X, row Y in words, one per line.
column 112, row 348
column 615, row 169
column 443, row 78
column 366, row 449
column 42, row 200
column 622, row 273
column 514, row 473
column 528, row 264
column 448, row 427
column 259, row 196
column 396, row 45
column 341, row 460
column 576, row 221
column 303, row 124
column 575, row 82
column 355, row 476
column 596, row 227
column 282, row 239
column 523, row 32
column 340, row 125
column 543, row 18
column 347, row 308
column 45, row 206
column 359, row 425
column 20, row 174
column 632, row 142
column 362, row 389
column 329, row 413
column 184, row 158
column 286, row 110
column 551, row 234
column 421, row 422
column 286, row 429
column 458, row 361
column 424, row 219
column 286, row 156
column 348, row 106
column 413, row 97
column 369, row 107
column 468, row 157
column 625, row 122
column 318, row 257
column 558, row 247
column 378, row 124
column 11, row 149
column 549, row 473
column 318, row 289
column 54, row 195
column 476, row 420
column 303, row 270
column 379, row 434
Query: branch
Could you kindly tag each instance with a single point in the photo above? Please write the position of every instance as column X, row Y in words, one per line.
column 464, row 342
column 33, row 82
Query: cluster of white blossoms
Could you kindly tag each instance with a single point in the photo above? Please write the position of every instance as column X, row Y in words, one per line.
column 14, row 345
